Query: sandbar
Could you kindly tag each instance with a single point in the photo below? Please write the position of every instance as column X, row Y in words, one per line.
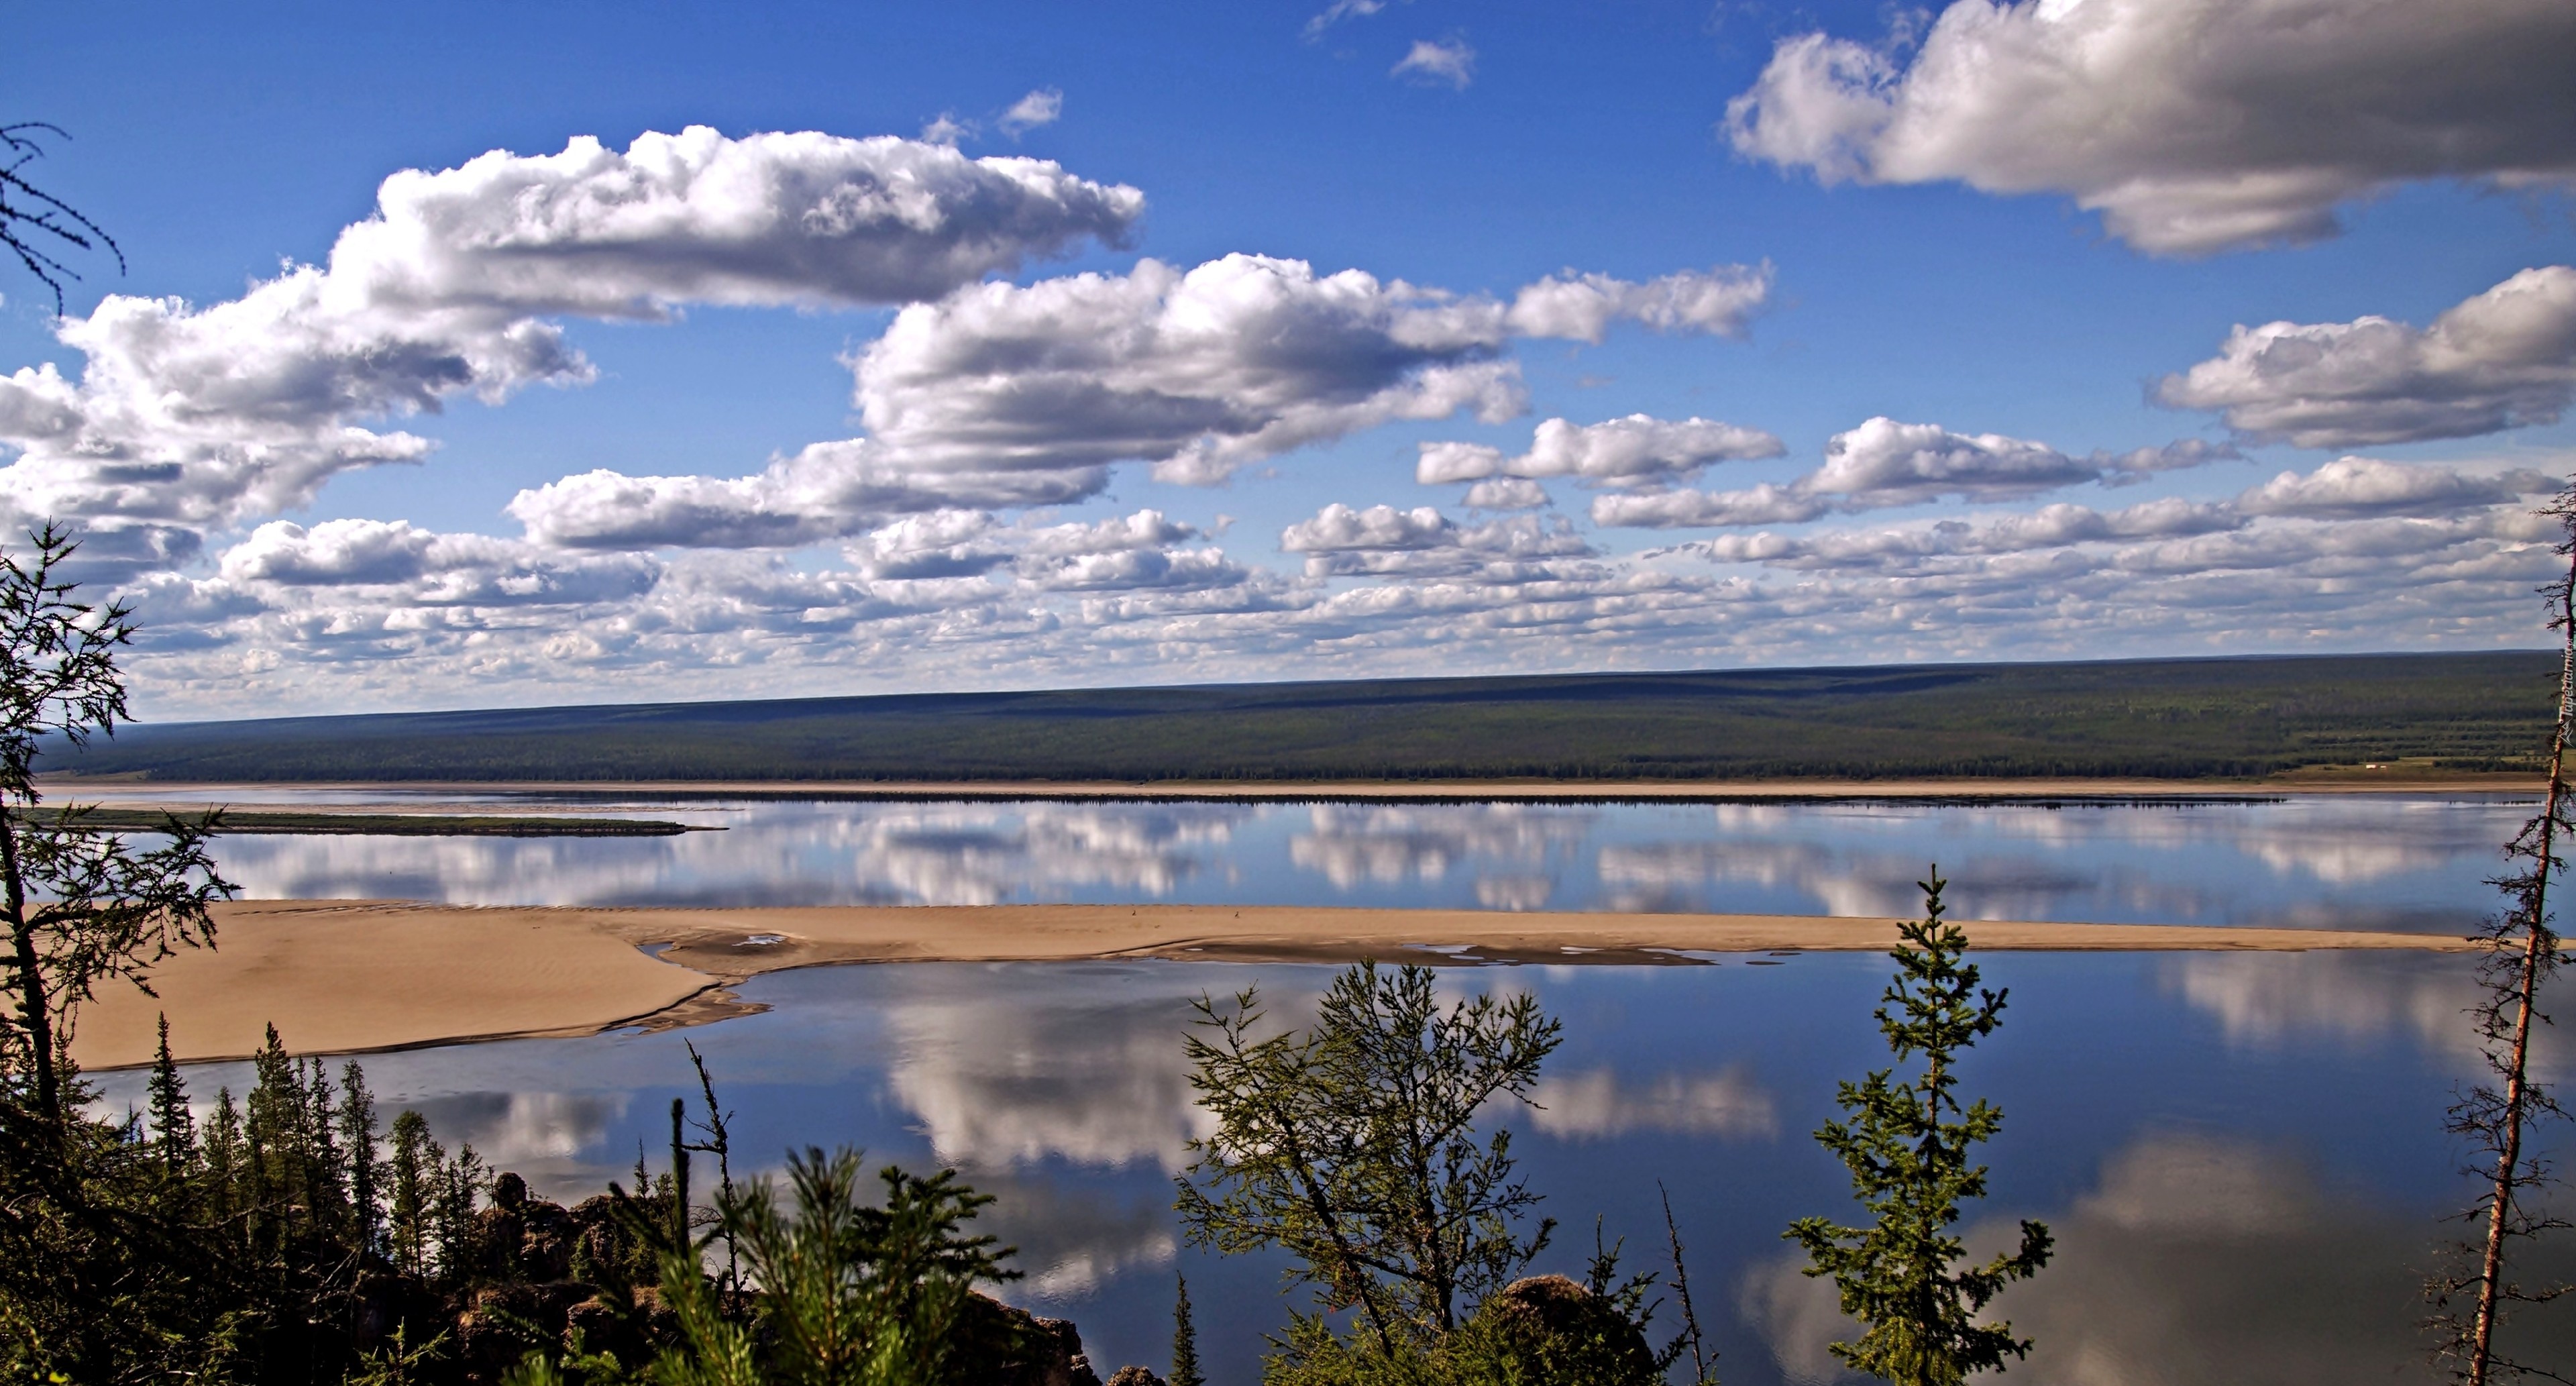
column 355, row 976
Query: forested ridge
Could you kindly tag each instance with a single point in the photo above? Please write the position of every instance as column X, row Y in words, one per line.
column 2179, row 719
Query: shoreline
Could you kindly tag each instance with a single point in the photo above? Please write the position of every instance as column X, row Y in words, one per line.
column 360, row 976
column 2071, row 790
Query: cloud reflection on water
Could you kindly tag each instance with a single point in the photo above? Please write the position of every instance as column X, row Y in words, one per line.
column 2194, row 1259
column 1596, row 1103
column 1012, row 1072
column 2315, row 861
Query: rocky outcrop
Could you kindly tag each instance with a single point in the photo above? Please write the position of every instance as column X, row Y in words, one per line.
column 580, row 1279
column 1021, row 1349
column 1135, row 1376
column 1548, row 1328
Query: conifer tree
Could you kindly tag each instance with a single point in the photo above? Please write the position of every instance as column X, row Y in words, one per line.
column 225, row 1157
column 326, row 1164
column 1185, row 1340
column 1354, row 1147
column 174, row 1128
column 1907, row 1146
column 415, row 1177
column 357, row 1118
column 79, row 907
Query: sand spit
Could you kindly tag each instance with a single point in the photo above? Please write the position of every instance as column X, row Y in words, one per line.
column 344, row 976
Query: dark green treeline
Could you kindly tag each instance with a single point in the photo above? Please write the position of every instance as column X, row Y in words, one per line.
column 2178, row 719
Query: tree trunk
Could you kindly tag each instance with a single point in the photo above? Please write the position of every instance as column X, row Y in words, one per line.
column 34, row 1012
column 2535, row 937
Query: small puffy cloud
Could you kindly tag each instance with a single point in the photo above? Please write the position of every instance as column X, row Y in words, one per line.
column 2503, row 359
column 1765, row 504
column 2193, row 126
column 1145, row 529
column 2137, row 464
column 2050, row 527
column 941, row 544
column 824, row 491
column 1338, row 528
column 1041, row 107
column 1885, row 464
column 1381, row 540
column 1122, row 553
column 1722, row 301
column 1891, row 463
column 1632, row 451
column 1133, row 570
column 1447, row 60
column 1506, row 493
column 2355, row 487
column 335, row 552
column 430, row 568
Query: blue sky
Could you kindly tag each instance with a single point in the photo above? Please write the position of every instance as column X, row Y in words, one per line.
column 1956, row 285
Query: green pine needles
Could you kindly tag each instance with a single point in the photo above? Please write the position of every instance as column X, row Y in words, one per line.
column 1185, row 1340
column 1907, row 1145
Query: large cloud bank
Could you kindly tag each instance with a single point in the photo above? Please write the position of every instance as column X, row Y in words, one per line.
column 187, row 417
column 2191, row 125
column 1004, row 395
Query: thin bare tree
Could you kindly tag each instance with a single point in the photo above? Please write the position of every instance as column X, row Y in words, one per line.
column 2495, row 1117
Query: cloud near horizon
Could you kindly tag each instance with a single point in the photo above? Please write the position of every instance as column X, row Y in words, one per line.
column 2401, row 552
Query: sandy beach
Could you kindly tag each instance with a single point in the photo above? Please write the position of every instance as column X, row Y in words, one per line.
column 339, row 976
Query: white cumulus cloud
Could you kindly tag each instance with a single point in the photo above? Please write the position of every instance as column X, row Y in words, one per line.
column 186, row 417
column 2192, row 125
column 1885, row 463
column 2503, row 359
column 1578, row 306
column 1008, row 395
column 1382, row 541
column 1636, row 450
column 696, row 217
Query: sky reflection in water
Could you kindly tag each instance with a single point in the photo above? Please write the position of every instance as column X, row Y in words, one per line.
column 2241, row 1154
column 2314, row 861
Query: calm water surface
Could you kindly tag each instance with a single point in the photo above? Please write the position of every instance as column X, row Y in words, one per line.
column 2317, row 861
column 2241, row 1154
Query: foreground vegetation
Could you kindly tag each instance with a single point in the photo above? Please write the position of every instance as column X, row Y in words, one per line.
column 290, row 1238
column 2175, row 719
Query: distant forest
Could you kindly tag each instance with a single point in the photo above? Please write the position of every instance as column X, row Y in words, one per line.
column 2177, row 719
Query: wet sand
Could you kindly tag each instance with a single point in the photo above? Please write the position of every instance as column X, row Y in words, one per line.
column 340, row 976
